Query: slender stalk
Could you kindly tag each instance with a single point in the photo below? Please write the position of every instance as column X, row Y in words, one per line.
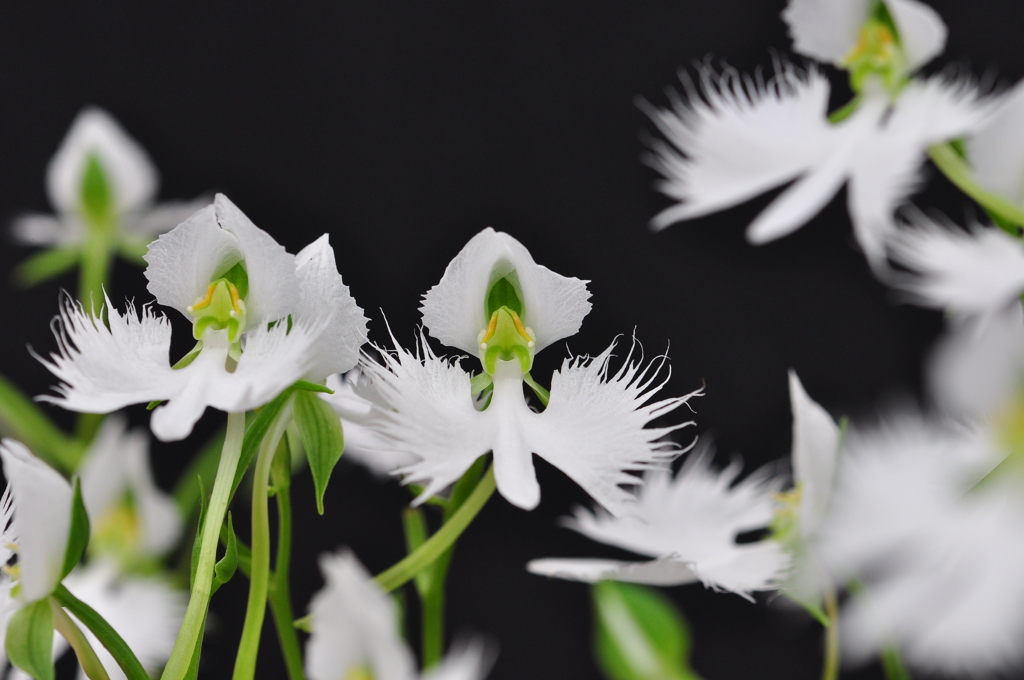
column 893, row 664
column 435, row 546
column 199, row 601
column 433, row 602
column 259, row 577
column 280, row 596
column 94, row 268
column 107, row 636
column 21, row 418
column 959, row 173
column 830, row 669
column 87, row 658
column 86, row 427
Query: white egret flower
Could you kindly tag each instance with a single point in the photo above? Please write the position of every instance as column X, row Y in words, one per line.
column 102, row 178
column 495, row 302
column 263, row 319
column 688, row 525
column 355, row 632
column 737, row 138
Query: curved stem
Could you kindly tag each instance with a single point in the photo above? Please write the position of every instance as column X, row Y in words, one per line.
column 107, row 636
column 259, row 577
column 199, row 601
column 830, row 669
column 280, row 596
column 87, row 659
column 94, row 269
column 893, row 664
column 958, row 172
column 435, row 546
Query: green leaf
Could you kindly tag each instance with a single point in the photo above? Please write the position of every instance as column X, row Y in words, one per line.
column 45, row 265
column 29, row 640
column 22, row 419
column 639, row 634
column 78, row 536
column 256, row 431
column 197, row 544
column 416, row 535
column 312, row 387
column 226, row 566
column 320, row 430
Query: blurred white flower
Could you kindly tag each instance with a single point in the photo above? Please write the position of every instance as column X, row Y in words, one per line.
column 99, row 173
column 495, row 302
column 263, row 319
column 355, row 632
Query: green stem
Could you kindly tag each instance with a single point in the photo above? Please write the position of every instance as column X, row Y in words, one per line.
column 280, row 597
column 94, row 269
column 436, row 545
column 955, row 168
column 107, row 636
column 893, row 664
column 199, row 601
column 86, row 427
column 87, row 658
column 830, row 669
column 259, row 577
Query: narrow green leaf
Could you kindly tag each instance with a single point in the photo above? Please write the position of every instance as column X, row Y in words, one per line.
column 226, row 566
column 22, row 419
column 320, row 430
column 45, row 265
column 312, row 387
column 29, row 640
column 416, row 534
column 255, row 431
column 197, row 544
column 78, row 536
column 639, row 634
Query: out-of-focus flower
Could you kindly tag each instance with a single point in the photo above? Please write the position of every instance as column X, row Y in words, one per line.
column 689, row 525
column 737, row 138
column 101, row 180
column 355, row 632
column 495, row 302
column 262, row 318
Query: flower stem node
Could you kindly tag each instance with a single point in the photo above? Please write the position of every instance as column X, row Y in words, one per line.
column 506, row 339
column 222, row 309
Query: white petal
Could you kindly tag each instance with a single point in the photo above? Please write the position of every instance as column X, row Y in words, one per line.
column 322, row 293
column 103, row 471
column 133, row 178
column 825, row 29
column 665, row 571
column 34, row 229
column 514, row 428
column 147, row 224
column 977, row 366
column 465, row 661
column 737, row 138
column 695, row 518
column 594, row 428
column 354, row 626
column 42, row 518
column 160, row 519
column 973, row 272
column 101, row 369
column 430, row 414
column 145, row 611
column 184, row 261
column 815, row 449
column 361, row 421
column 922, row 33
column 996, row 150
column 454, row 312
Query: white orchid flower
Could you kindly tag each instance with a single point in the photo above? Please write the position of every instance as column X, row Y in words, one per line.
column 36, row 514
column 688, row 525
column 263, row 319
column 355, row 632
column 495, row 302
column 737, row 138
column 897, row 36
column 131, row 518
column 99, row 173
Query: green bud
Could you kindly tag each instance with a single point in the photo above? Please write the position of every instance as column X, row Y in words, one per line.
column 95, row 195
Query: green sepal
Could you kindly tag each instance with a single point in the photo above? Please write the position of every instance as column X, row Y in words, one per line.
column 187, row 359
column 226, row 566
column 95, row 196
column 255, row 431
column 78, row 534
column 480, row 382
column 543, row 394
column 29, row 641
column 197, row 544
column 46, row 265
column 312, row 387
column 639, row 634
column 304, row 624
column 153, row 404
column 322, row 438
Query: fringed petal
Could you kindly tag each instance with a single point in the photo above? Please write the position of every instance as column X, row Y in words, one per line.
column 665, row 571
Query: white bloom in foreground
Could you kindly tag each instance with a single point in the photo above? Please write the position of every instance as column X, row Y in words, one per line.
column 355, row 632
column 129, row 515
column 146, row 611
column 688, row 525
column 736, row 139
column 995, row 151
column 936, row 550
column 497, row 303
column 101, row 173
column 839, row 32
column 36, row 522
column 263, row 319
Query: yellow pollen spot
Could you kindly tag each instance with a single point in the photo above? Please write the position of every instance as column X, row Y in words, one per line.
column 13, row 571
column 491, row 327
column 203, row 303
column 359, row 673
column 522, row 330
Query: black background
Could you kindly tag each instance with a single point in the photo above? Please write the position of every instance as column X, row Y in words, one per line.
column 403, row 128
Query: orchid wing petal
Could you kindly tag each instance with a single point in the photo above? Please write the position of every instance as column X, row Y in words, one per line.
column 922, row 32
column 815, row 450
column 666, row 571
column 825, row 30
